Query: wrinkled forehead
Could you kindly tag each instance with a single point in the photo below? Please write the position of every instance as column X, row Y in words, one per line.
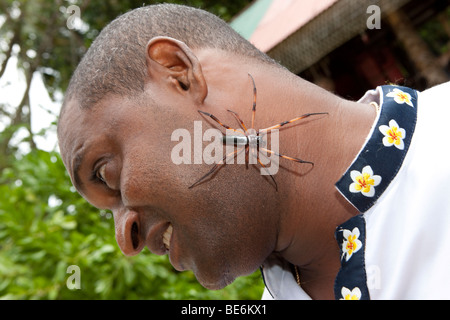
column 70, row 128
column 79, row 130
column 78, row 124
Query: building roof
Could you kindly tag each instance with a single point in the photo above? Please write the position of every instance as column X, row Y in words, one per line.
column 298, row 33
column 268, row 22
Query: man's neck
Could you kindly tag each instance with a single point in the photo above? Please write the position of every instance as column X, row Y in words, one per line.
column 310, row 203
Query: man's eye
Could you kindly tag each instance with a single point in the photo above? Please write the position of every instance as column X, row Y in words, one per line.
column 100, row 173
column 104, row 174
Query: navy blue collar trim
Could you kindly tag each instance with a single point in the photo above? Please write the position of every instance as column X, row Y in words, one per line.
column 367, row 178
column 381, row 158
column 351, row 280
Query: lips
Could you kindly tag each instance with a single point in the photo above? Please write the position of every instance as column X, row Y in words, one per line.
column 160, row 241
column 155, row 238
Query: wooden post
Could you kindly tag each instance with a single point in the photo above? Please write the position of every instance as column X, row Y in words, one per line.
column 416, row 48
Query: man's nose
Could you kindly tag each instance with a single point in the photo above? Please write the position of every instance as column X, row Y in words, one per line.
column 128, row 232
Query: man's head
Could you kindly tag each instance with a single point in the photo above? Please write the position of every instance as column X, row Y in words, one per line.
column 142, row 79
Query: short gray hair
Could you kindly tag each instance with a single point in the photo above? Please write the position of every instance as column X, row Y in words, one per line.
column 115, row 62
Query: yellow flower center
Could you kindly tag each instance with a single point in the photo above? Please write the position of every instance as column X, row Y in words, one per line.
column 351, row 297
column 351, row 244
column 364, row 182
column 403, row 97
column 394, row 136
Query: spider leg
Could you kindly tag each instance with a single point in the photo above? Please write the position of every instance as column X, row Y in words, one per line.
column 287, row 157
column 292, row 120
column 239, row 120
column 215, row 167
column 217, row 120
column 247, row 155
column 254, row 101
column 267, row 171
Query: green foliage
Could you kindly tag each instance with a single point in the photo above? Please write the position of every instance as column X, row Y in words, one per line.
column 45, row 227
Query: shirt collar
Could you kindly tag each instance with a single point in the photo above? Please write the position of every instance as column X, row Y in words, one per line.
column 362, row 184
column 382, row 155
column 367, row 178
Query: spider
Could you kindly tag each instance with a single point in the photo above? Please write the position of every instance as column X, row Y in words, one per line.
column 251, row 139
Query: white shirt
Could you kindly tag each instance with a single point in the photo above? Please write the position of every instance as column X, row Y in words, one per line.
column 399, row 247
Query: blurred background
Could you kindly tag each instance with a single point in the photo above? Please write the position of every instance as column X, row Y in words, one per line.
column 345, row 46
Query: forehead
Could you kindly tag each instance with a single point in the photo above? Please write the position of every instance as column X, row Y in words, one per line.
column 83, row 133
column 113, row 116
column 78, row 126
column 73, row 123
column 122, row 120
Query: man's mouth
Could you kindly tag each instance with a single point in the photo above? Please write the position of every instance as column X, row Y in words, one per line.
column 167, row 237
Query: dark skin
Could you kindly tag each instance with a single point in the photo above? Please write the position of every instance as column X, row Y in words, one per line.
column 227, row 226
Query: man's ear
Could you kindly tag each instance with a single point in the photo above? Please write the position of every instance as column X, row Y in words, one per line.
column 175, row 61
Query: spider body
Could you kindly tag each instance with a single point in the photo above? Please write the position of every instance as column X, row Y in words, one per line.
column 250, row 140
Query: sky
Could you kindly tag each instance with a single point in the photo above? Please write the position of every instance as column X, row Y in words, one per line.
column 43, row 110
